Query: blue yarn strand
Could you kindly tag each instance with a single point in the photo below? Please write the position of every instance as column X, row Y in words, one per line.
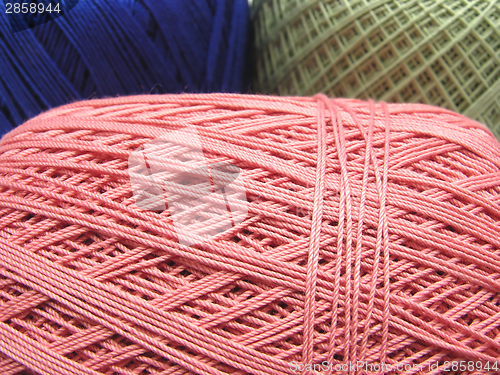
column 121, row 47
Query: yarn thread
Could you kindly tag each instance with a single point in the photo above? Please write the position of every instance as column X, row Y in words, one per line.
column 122, row 47
column 371, row 235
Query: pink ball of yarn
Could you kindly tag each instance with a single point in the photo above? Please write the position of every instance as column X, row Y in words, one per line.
column 367, row 235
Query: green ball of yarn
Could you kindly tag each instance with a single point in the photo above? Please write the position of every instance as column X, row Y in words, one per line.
column 444, row 52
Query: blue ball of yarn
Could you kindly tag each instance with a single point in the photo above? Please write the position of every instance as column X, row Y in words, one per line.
column 121, row 47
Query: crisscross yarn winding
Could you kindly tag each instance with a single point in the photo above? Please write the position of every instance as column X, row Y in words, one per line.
column 372, row 234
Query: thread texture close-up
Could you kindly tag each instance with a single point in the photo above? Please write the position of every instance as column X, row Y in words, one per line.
column 370, row 234
column 104, row 48
column 445, row 53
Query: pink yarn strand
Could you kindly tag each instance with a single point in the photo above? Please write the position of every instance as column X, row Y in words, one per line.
column 314, row 240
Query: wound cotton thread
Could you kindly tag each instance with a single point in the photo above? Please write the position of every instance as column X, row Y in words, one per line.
column 371, row 235
column 122, row 47
column 445, row 53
